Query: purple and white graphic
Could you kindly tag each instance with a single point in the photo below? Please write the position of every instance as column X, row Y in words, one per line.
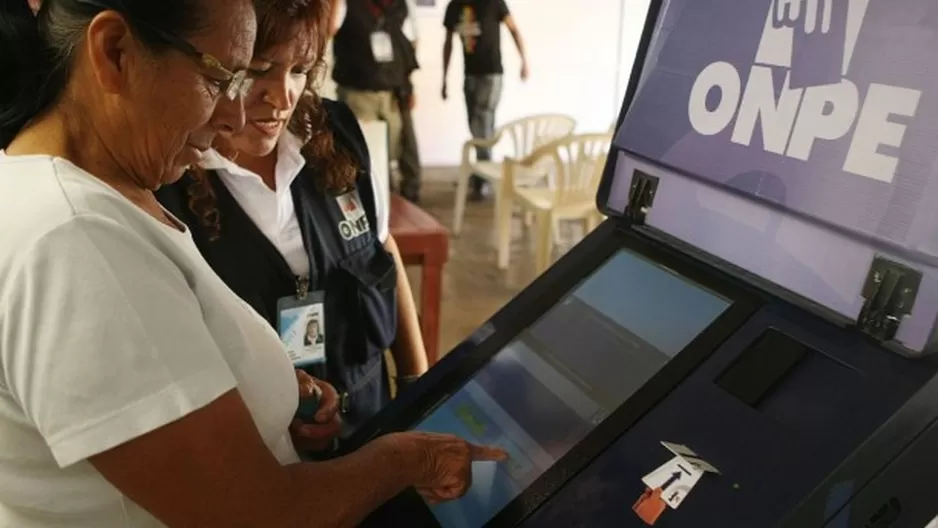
column 808, row 39
column 833, row 98
column 825, row 108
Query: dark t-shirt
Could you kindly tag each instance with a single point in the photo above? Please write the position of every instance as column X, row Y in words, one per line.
column 478, row 24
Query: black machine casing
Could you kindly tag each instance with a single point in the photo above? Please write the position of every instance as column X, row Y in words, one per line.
column 810, row 419
column 842, row 440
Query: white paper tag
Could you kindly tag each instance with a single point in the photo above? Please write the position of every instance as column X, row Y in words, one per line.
column 675, row 479
column 690, row 455
column 303, row 332
column 381, row 46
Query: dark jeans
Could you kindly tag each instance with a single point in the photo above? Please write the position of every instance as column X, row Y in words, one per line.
column 482, row 95
column 409, row 162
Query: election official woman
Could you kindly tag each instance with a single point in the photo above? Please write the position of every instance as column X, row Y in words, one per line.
column 136, row 390
column 288, row 214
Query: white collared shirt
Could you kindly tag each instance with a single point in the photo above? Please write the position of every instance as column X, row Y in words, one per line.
column 272, row 211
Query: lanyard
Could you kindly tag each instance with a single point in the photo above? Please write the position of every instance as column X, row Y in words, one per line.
column 378, row 7
column 298, row 192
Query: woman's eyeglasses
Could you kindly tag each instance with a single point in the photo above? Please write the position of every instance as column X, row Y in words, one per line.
column 233, row 84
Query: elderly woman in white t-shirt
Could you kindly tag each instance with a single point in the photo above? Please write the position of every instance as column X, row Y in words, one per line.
column 135, row 389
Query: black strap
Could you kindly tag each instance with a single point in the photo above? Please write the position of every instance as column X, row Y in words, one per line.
column 378, row 8
column 301, row 201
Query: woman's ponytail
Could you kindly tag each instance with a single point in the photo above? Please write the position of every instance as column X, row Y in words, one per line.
column 29, row 68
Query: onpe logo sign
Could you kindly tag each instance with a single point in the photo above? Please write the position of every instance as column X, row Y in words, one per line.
column 793, row 119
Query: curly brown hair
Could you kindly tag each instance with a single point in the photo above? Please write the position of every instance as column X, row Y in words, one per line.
column 278, row 22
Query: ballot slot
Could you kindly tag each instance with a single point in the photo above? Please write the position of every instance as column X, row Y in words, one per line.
column 799, row 386
column 763, row 366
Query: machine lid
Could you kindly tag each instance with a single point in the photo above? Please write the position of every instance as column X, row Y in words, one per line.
column 794, row 138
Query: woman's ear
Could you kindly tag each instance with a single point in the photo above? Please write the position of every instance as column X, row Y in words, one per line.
column 109, row 43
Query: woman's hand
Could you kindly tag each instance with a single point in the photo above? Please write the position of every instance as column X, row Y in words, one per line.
column 319, row 435
column 447, row 465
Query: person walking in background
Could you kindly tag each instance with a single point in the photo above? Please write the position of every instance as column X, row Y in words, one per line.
column 409, row 161
column 478, row 24
column 287, row 213
column 373, row 59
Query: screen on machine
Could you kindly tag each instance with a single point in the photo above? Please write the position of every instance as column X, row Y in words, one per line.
column 561, row 377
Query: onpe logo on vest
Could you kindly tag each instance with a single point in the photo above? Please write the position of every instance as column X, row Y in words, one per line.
column 355, row 223
column 802, row 113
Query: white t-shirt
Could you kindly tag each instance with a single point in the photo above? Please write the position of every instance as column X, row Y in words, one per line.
column 272, row 210
column 111, row 325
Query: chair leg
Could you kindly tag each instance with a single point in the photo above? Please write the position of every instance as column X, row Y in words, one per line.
column 459, row 207
column 504, row 204
column 545, row 224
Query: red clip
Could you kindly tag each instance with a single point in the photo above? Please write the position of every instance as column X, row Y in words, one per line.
column 649, row 506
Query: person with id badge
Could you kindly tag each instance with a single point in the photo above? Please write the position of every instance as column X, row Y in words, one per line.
column 373, row 59
column 287, row 213
column 478, row 24
column 161, row 398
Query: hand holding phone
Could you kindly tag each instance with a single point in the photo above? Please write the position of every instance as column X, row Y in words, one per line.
column 317, row 422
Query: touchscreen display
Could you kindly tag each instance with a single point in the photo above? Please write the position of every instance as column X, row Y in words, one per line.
column 550, row 387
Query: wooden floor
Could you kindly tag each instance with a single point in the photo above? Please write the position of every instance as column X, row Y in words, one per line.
column 473, row 288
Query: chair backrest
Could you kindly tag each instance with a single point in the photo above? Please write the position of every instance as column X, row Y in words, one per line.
column 530, row 133
column 577, row 165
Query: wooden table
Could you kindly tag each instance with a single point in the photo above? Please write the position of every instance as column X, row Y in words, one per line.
column 423, row 242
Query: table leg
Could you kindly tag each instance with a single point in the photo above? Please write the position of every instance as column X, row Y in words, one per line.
column 430, row 300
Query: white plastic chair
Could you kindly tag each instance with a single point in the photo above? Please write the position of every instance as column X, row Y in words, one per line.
column 526, row 134
column 575, row 164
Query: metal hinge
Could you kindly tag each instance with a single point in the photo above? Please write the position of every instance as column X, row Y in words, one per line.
column 641, row 197
column 889, row 294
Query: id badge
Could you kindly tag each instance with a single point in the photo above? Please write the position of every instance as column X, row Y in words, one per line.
column 381, row 46
column 301, row 322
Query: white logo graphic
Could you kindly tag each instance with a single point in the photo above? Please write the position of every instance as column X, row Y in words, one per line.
column 793, row 119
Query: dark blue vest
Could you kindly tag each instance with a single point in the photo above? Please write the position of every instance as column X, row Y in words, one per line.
column 357, row 275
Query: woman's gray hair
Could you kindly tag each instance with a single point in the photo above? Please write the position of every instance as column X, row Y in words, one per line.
column 38, row 39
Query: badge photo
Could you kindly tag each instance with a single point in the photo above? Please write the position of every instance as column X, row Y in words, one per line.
column 301, row 323
column 355, row 222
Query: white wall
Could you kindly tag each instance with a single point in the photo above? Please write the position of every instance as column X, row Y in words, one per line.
column 580, row 54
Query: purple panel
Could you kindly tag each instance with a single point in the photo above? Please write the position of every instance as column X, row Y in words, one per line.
column 827, row 109
column 800, row 255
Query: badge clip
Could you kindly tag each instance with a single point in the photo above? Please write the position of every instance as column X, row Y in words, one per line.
column 302, row 287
